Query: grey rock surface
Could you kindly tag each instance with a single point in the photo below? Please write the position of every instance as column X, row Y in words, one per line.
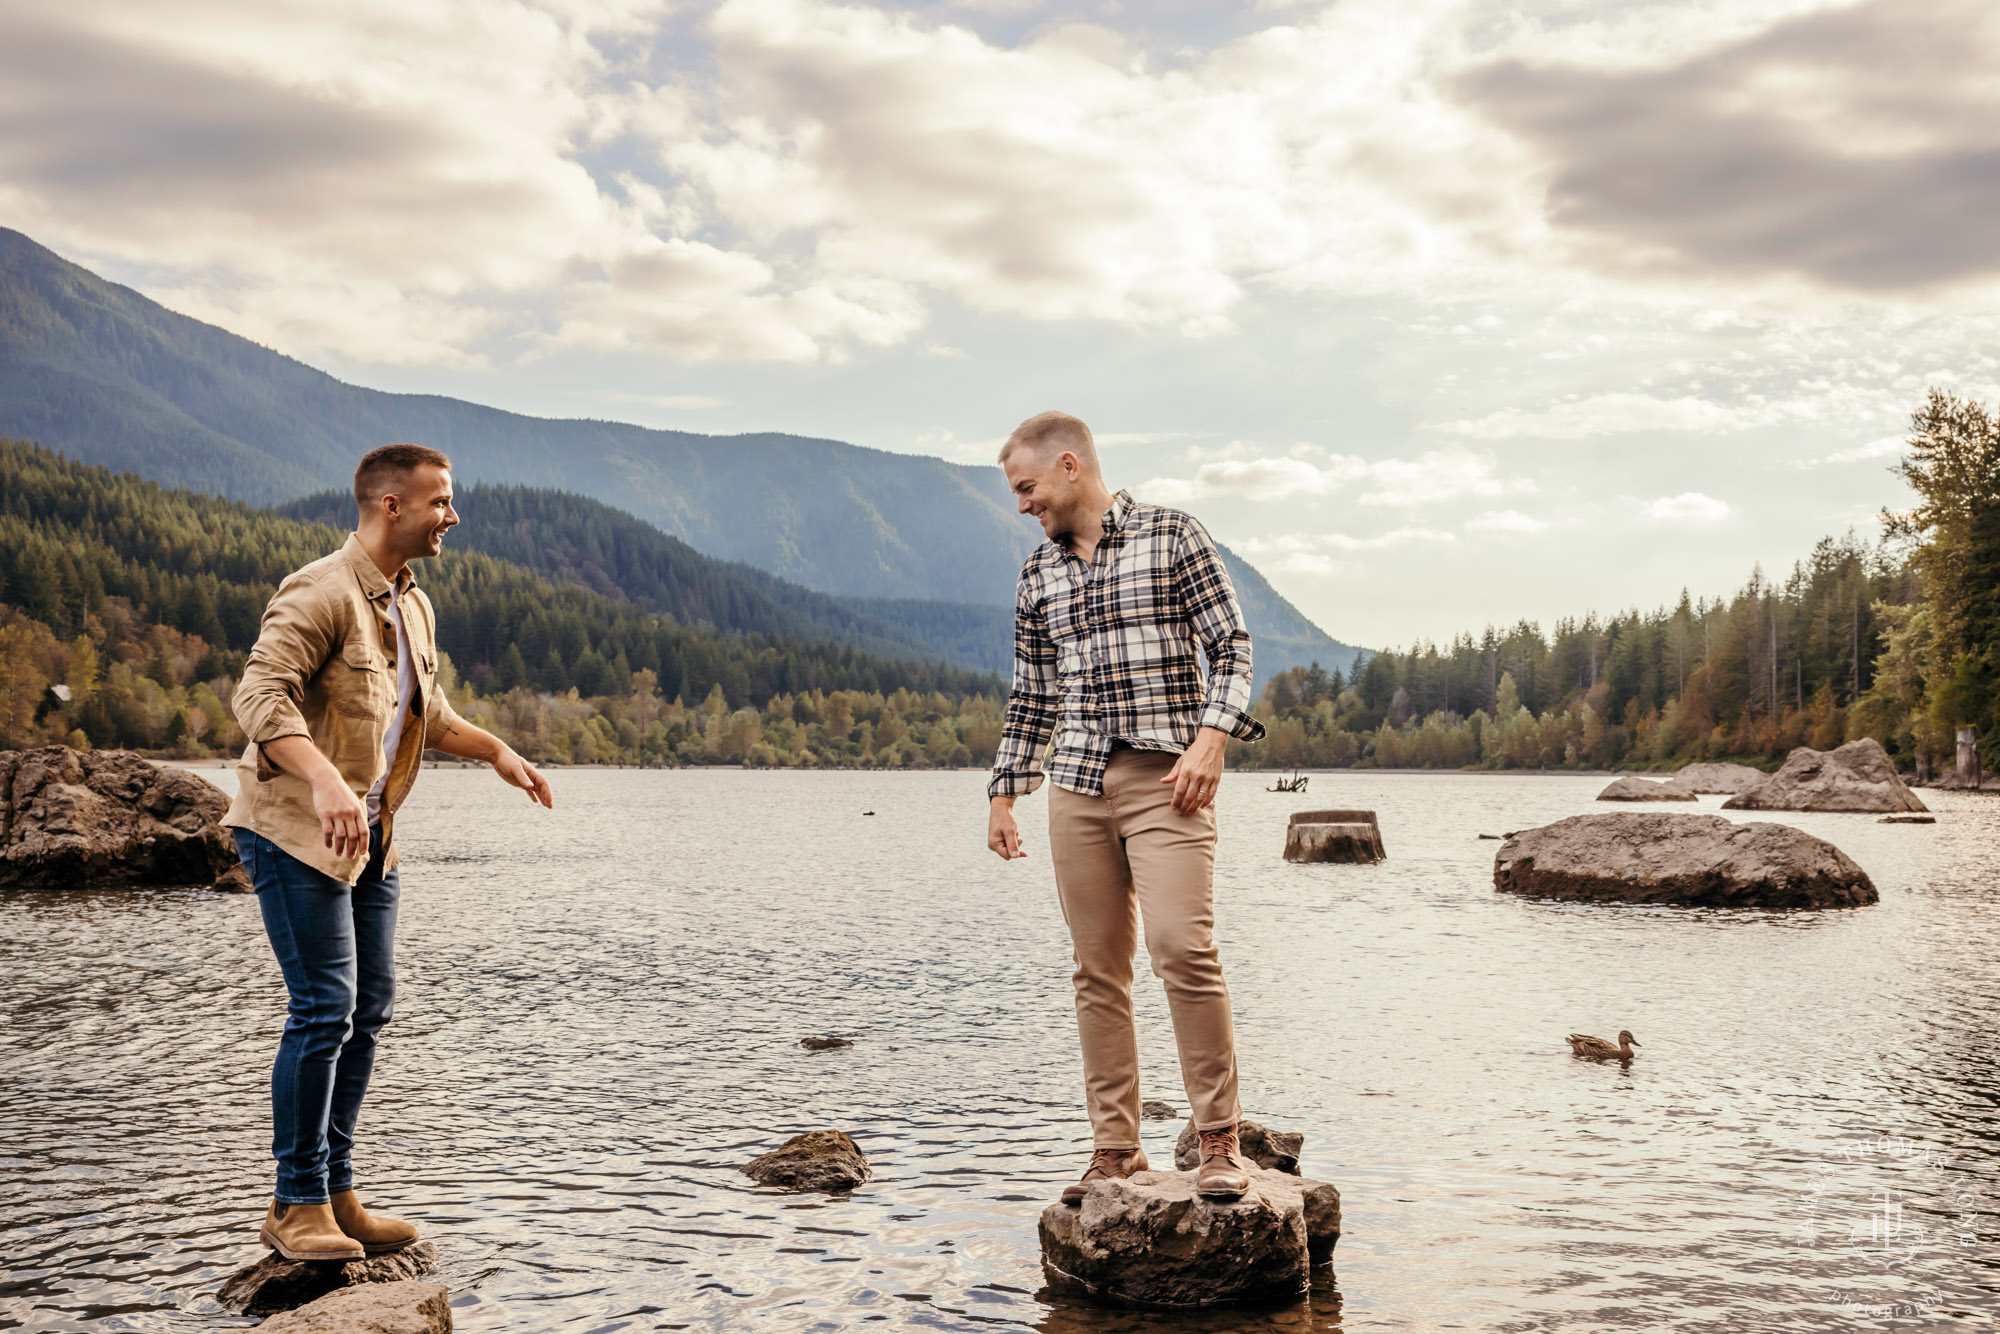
column 1692, row 860
column 1855, row 777
column 75, row 820
column 1275, row 1150
column 277, row 1284
column 404, row 1307
column 1721, row 779
column 1159, row 1111
column 1642, row 789
column 1149, row 1239
column 816, row 1160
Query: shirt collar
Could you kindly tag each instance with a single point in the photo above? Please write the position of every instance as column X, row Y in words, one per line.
column 1121, row 509
column 373, row 582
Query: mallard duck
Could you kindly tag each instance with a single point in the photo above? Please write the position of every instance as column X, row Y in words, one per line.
column 1597, row 1049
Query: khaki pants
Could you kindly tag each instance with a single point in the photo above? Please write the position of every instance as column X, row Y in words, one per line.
column 1117, row 857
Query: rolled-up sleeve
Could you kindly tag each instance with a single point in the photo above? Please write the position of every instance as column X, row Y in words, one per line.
column 1218, row 623
column 1031, row 703
column 297, row 636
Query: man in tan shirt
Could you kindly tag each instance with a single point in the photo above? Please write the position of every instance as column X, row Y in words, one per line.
column 339, row 701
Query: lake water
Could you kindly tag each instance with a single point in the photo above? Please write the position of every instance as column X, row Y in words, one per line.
column 600, row 1010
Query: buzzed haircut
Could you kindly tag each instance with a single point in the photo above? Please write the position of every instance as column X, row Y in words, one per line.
column 382, row 470
column 1052, row 432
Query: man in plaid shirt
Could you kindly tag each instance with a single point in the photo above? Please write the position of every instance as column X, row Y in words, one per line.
column 1106, row 622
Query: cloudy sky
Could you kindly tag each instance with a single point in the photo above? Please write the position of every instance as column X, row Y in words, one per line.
column 1443, row 311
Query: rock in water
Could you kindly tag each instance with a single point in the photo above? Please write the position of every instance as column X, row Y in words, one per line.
column 1640, row 789
column 1158, row 1111
column 817, row 1160
column 824, row 1044
column 1722, row 779
column 1347, row 837
column 71, row 820
column 381, row 1308
column 1693, row 860
column 277, row 1284
column 1275, row 1150
column 1150, row 1239
column 1855, row 777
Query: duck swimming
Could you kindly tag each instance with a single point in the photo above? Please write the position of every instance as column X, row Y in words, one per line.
column 1597, row 1049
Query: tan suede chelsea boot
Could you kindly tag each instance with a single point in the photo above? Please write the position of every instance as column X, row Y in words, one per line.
column 1222, row 1174
column 1106, row 1165
column 378, row 1233
column 307, row 1232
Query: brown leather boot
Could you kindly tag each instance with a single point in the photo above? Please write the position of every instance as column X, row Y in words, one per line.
column 378, row 1233
column 1106, row 1165
column 307, row 1232
column 1223, row 1174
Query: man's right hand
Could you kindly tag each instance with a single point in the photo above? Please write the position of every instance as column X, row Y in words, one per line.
column 343, row 818
column 1003, row 836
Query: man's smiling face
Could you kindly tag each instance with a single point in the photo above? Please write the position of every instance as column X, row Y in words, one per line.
column 1046, row 488
column 424, row 512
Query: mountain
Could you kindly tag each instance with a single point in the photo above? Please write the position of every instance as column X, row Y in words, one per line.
column 577, row 540
column 103, row 374
column 74, row 537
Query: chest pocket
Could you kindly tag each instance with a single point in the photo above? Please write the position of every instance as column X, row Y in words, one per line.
column 359, row 685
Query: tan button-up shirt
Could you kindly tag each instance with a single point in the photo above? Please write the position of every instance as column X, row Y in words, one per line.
column 325, row 668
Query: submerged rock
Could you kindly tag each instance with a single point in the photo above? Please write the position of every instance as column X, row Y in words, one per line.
column 824, row 1044
column 1907, row 819
column 1149, row 1239
column 384, row 1308
column 817, row 1160
column 1641, row 789
column 73, row 820
column 1275, row 1150
column 1721, row 779
column 1348, row 837
column 1159, row 1111
column 1855, row 777
column 1693, row 860
column 277, row 1284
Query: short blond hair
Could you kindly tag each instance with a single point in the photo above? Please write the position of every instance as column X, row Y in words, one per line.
column 1046, row 432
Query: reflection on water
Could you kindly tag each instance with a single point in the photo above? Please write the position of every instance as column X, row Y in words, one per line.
column 600, row 1010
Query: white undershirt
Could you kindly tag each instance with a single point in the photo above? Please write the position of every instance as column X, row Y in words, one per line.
column 406, row 685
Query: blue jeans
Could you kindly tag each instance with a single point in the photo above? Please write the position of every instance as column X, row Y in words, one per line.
column 336, row 946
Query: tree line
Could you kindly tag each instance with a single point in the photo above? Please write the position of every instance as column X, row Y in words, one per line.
column 141, row 603
column 1899, row 641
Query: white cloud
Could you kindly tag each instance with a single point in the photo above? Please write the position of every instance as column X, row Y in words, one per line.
column 1688, row 507
column 1314, row 553
column 1505, row 521
column 1889, row 446
column 1440, row 475
column 1601, row 414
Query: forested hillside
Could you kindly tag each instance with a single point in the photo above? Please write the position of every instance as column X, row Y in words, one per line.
column 98, row 372
column 1900, row 642
column 576, row 540
column 143, row 601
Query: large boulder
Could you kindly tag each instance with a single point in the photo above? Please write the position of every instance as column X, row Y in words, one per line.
column 381, row 1308
column 1694, row 860
column 1858, row 776
column 1629, row 788
column 816, row 1160
column 73, row 820
column 1721, row 779
column 277, row 1284
column 1149, row 1239
column 1277, row 1150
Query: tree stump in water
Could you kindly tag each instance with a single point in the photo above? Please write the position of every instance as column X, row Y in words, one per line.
column 1350, row 837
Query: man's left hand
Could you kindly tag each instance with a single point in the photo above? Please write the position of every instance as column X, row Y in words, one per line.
column 1197, row 774
column 522, row 775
